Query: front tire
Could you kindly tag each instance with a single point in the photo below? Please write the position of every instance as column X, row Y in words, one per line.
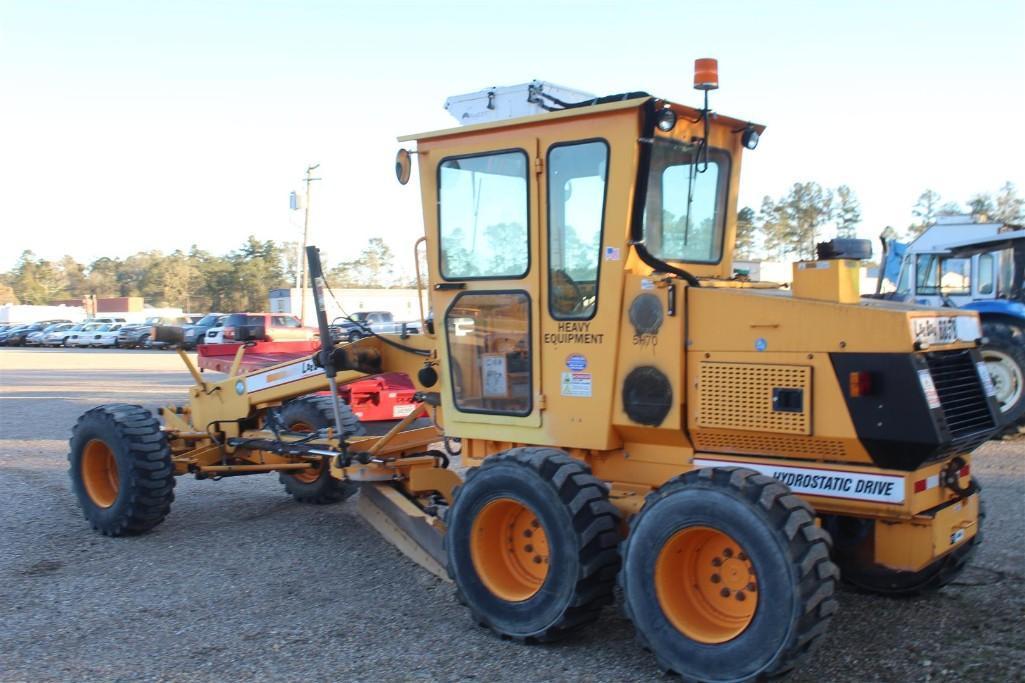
column 121, row 470
column 317, row 486
column 726, row 577
column 532, row 544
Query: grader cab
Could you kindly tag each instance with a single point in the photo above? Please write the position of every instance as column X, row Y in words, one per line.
column 628, row 410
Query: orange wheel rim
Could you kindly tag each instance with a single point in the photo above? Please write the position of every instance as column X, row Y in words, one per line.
column 99, row 473
column 509, row 549
column 706, row 585
column 312, row 474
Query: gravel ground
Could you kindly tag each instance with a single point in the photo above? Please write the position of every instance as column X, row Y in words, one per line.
column 240, row 583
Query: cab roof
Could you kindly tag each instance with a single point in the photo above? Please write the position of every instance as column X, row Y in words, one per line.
column 577, row 111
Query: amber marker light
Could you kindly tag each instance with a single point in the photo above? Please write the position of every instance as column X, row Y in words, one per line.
column 706, row 74
column 860, row 384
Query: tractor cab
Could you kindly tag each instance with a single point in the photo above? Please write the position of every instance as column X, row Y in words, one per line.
column 977, row 266
column 535, row 224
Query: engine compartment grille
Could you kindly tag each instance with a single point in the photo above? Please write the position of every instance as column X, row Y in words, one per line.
column 962, row 399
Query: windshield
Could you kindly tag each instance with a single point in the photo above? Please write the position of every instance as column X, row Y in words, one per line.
column 684, row 215
column 208, row 320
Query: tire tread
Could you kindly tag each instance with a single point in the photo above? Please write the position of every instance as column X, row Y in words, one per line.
column 150, row 481
column 327, row 490
column 595, row 522
column 809, row 552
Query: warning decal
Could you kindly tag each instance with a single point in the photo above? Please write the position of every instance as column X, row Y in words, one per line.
column 576, row 384
column 877, row 488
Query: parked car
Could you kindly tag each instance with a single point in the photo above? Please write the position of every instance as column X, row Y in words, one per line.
column 5, row 334
column 363, row 323
column 60, row 335
column 36, row 338
column 139, row 335
column 102, row 336
column 168, row 331
column 133, row 336
column 82, row 337
column 195, row 334
column 240, row 327
column 16, row 336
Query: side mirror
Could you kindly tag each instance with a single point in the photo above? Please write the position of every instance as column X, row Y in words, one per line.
column 403, row 166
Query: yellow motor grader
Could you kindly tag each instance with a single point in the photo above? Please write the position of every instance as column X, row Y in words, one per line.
column 628, row 410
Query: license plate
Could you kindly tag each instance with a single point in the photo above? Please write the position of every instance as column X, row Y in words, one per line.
column 934, row 330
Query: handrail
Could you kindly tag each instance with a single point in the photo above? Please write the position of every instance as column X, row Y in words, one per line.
column 420, row 286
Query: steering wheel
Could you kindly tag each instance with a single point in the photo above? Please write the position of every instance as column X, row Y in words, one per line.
column 562, row 301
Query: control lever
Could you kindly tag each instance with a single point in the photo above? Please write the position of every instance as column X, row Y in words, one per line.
column 325, row 355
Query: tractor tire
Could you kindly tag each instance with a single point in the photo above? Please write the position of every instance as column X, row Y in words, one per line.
column 853, row 539
column 726, row 577
column 1004, row 355
column 121, row 470
column 317, row 486
column 532, row 544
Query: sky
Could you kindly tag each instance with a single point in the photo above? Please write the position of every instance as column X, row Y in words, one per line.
column 130, row 126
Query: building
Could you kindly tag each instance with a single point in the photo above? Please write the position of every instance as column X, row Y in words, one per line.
column 401, row 303
column 94, row 305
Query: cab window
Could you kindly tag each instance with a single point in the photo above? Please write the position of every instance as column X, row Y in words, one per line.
column 987, row 275
column 904, row 279
column 955, row 276
column 927, row 274
column 577, row 177
column 489, row 352
column 483, row 216
column 685, row 208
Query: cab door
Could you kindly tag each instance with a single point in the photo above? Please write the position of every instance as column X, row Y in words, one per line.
column 486, row 285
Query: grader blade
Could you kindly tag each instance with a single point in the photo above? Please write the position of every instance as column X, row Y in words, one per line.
column 417, row 535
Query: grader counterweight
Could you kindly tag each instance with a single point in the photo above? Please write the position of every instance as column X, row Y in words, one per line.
column 629, row 411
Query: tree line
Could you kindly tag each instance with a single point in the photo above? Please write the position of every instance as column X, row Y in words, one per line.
column 784, row 228
column 789, row 226
column 193, row 280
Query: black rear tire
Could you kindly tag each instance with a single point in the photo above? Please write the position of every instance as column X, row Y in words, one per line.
column 1004, row 354
column 783, row 552
column 579, row 527
column 309, row 413
column 136, row 496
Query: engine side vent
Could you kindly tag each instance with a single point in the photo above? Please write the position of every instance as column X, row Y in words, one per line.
column 964, row 405
column 769, row 444
column 741, row 396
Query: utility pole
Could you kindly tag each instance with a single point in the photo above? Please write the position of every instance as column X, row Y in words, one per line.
column 306, row 238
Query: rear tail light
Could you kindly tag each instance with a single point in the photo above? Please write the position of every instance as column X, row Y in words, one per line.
column 860, row 384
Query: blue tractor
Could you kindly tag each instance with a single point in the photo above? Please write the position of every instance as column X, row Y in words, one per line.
column 959, row 262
